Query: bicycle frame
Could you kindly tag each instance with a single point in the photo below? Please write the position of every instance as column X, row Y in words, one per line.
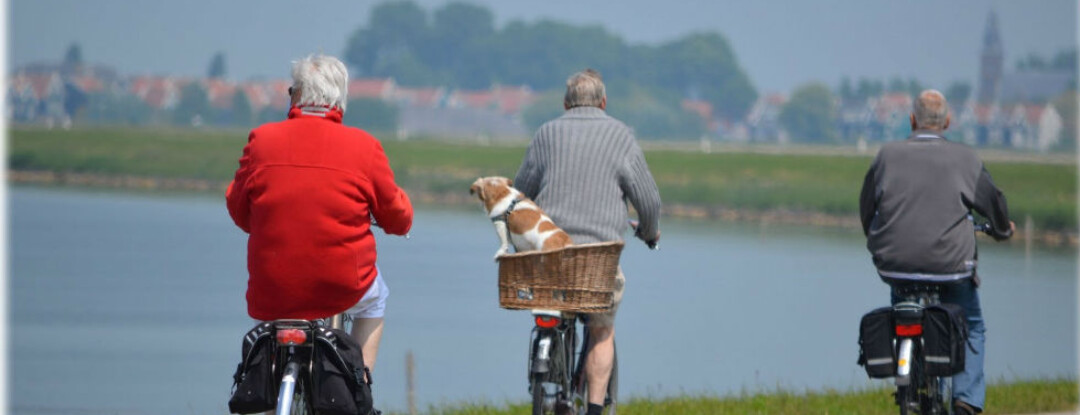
column 294, row 341
column 552, row 346
column 554, row 360
column 917, row 392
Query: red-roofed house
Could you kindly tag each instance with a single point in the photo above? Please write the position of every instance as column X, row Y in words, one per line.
column 1033, row 126
column 159, row 93
column 473, row 100
column 421, row 97
column 981, row 124
column 372, row 88
column 37, row 95
column 219, row 93
column 278, row 93
column 512, row 100
column 704, row 110
column 763, row 119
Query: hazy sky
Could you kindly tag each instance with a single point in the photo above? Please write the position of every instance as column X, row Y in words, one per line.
column 780, row 43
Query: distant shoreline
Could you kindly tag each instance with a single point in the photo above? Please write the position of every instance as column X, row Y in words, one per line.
column 714, row 213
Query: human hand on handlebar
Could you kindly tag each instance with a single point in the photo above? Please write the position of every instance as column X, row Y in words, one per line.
column 653, row 244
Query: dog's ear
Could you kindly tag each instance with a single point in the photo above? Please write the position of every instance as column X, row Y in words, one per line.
column 477, row 189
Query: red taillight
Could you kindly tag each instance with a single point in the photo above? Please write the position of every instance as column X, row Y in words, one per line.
column 909, row 330
column 291, row 336
column 547, row 322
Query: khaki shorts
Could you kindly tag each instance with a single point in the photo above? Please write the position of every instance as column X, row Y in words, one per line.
column 607, row 318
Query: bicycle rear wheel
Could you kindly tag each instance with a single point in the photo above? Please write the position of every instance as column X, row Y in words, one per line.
column 538, row 395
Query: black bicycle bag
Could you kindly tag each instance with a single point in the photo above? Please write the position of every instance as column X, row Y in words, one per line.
column 341, row 384
column 876, row 351
column 254, row 388
column 944, row 339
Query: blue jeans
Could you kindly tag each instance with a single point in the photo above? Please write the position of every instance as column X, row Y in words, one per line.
column 970, row 385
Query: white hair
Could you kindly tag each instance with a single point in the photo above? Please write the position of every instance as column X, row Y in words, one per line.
column 930, row 109
column 321, row 80
column 584, row 89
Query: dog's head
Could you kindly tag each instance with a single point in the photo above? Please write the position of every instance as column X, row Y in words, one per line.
column 491, row 190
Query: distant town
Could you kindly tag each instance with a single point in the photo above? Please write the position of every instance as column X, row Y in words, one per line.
column 1033, row 108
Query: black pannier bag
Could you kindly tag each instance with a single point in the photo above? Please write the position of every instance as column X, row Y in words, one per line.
column 341, row 384
column 876, row 351
column 254, row 389
column 944, row 339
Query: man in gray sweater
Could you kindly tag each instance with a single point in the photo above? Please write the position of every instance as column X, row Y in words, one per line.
column 914, row 207
column 582, row 168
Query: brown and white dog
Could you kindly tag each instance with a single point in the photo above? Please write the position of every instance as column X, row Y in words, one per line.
column 518, row 220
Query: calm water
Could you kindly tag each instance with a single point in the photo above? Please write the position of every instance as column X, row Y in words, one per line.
column 126, row 304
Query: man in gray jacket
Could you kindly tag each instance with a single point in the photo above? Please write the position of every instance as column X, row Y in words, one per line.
column 914, row 207
column 582, row 168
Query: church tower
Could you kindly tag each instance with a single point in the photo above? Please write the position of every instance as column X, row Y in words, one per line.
column 992, row 64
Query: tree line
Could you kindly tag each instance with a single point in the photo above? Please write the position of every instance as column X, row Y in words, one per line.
column 458, row 45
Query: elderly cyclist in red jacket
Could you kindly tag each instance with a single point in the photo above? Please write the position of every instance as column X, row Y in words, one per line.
column 305, row 192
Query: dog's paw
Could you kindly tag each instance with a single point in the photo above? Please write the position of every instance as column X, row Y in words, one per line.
column 500, row 253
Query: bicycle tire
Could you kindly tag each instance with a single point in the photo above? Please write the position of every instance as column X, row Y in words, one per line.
column 301, row 405
column 537, row 386
column 905, row 399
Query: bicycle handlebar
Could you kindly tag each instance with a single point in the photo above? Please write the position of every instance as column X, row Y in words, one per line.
column 984, row 227
column 653, row 245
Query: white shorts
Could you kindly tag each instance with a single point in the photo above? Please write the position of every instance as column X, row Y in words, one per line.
column 373, row 303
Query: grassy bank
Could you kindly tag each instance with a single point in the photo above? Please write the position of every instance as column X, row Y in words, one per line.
column 1014, row 398
column 695, row 183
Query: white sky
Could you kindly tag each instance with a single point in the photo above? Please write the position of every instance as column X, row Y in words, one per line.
column 780, row 43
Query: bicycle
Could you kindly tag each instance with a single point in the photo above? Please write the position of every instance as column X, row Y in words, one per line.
column 557, row 381
column 294, row 341
column 917, row 392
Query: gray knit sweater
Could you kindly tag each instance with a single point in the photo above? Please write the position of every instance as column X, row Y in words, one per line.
column 582, row 168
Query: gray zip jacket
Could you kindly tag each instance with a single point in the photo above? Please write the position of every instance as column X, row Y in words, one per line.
column 582, row 168
column 915, row 203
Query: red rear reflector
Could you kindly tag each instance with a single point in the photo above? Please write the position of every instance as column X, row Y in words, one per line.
column 909, row 330
column 291, row 336
column 547, row 322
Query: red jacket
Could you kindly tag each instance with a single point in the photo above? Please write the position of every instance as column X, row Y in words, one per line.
column 304, row 192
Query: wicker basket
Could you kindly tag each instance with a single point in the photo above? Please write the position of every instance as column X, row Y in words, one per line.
column 577, row 278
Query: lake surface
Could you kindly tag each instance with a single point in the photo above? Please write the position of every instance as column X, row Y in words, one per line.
column 134, row 304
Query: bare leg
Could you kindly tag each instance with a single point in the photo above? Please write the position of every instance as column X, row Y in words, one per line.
column 368, row 332
column 599, row 362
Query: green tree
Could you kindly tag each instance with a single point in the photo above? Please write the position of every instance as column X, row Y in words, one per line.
column 914, row 87
column 846, row 90
column 705, row 65
column 372, row 115
column 269, row 114
column 242, row 114
column 391, row 40
column 461, row 35
column 73, row 60
column 896, row 84
column 108, row 108
column 1065, row 60
column 958, row 93
column 546, row 107
column 217, row 66
column 810, row 113
column 869, row 88
column 193, row 103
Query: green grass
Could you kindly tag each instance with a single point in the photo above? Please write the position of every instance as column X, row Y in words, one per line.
column 733, row 180
column 1026, row 397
